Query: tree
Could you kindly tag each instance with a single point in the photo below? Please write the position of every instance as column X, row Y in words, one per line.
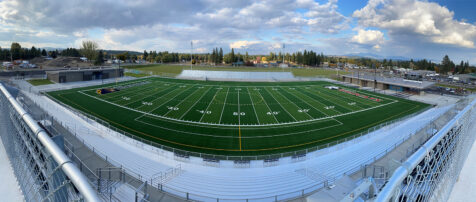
column 145, row 55
column 232, row 55
column 15, row 50
column 220, row 56
column 446, row 65
column 44, row 53
column 89, row 49
column 99, row 59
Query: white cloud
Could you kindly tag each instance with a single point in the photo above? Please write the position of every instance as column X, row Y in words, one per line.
column 243, row 44
column 369, row 37
column 425, row 20
column 165, row 24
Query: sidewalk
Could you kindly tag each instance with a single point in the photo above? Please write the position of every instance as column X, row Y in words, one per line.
column 9, row 189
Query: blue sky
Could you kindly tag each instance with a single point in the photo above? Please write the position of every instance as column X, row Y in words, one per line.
column 407, row 28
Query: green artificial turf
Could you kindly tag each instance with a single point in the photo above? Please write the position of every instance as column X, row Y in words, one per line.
column 237, row 118
column 39, row 82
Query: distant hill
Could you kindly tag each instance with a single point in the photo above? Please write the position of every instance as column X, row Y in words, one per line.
column 115, row 52
column 379, row 57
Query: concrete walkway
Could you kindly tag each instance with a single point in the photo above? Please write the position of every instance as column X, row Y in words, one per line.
column 9, row 188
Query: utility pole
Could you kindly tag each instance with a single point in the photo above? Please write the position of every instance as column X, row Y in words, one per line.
column 375, row 76
column 191, row 54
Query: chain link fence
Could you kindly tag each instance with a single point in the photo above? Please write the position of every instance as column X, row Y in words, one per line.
column 42, row 169
column 430, row 173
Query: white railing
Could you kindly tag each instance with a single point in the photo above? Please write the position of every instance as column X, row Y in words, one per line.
column 430, row 173
column 43, row 170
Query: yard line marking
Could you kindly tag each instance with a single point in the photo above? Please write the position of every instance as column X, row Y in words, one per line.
column 158, row 97
column 150, row 112
column 252, row 104
column 143, row 98
column 264, row 101
column 322, row 103
column 182, row 99
column 308, row 103
column 228, row 125
column 239, row 119
column 330, row 99
column 294, row 103
column 280, row 104
column 194, row 103
column 130, row 91
column 219, row 121
column 347, row 97
column 209, row 104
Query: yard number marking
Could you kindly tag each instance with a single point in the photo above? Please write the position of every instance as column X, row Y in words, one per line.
column 303, row 110
column 173, row 108
column 272, row 113
column 204, row 112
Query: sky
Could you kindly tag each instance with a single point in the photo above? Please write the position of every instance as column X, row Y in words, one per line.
column 405, row 28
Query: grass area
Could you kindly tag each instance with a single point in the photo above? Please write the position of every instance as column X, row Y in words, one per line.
column 139, row 75
column 173, row 70
column 237, row 118
column 39, row 82
column 454, row 87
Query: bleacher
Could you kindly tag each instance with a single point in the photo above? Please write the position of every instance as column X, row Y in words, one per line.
column 236, row 75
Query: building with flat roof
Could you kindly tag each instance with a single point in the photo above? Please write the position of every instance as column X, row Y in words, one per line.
column 392, row 83
column 72, row 75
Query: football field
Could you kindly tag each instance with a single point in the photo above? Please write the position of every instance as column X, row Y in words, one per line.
column 237, row 118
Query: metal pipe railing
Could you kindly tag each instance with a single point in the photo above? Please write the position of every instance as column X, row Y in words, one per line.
column 411, row 163
column 74, row 174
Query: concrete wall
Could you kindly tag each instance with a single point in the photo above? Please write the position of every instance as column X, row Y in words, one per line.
column 86, row 75
column 53, row 77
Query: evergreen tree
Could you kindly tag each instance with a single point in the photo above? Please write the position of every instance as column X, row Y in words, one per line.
column 232, row 56
column 220, row 56
column 99, row 58
column 145, row 55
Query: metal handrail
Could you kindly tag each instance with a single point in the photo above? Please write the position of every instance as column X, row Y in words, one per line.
column 412, row 162
column 73, row 173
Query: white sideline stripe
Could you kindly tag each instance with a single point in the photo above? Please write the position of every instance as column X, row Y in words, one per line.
column 252, row 104
column 156, row 98
column 347, row 97
column 132, row 92
column 227, row 125
column 216, row 93
column 194, row 103
column 143, row 98
column 317, row 101
column 328, row 96
column 248, row 137
column 280, row 104
column 312, row 106
column 224, row 103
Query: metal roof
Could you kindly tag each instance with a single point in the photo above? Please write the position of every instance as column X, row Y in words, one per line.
column 393, row 81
